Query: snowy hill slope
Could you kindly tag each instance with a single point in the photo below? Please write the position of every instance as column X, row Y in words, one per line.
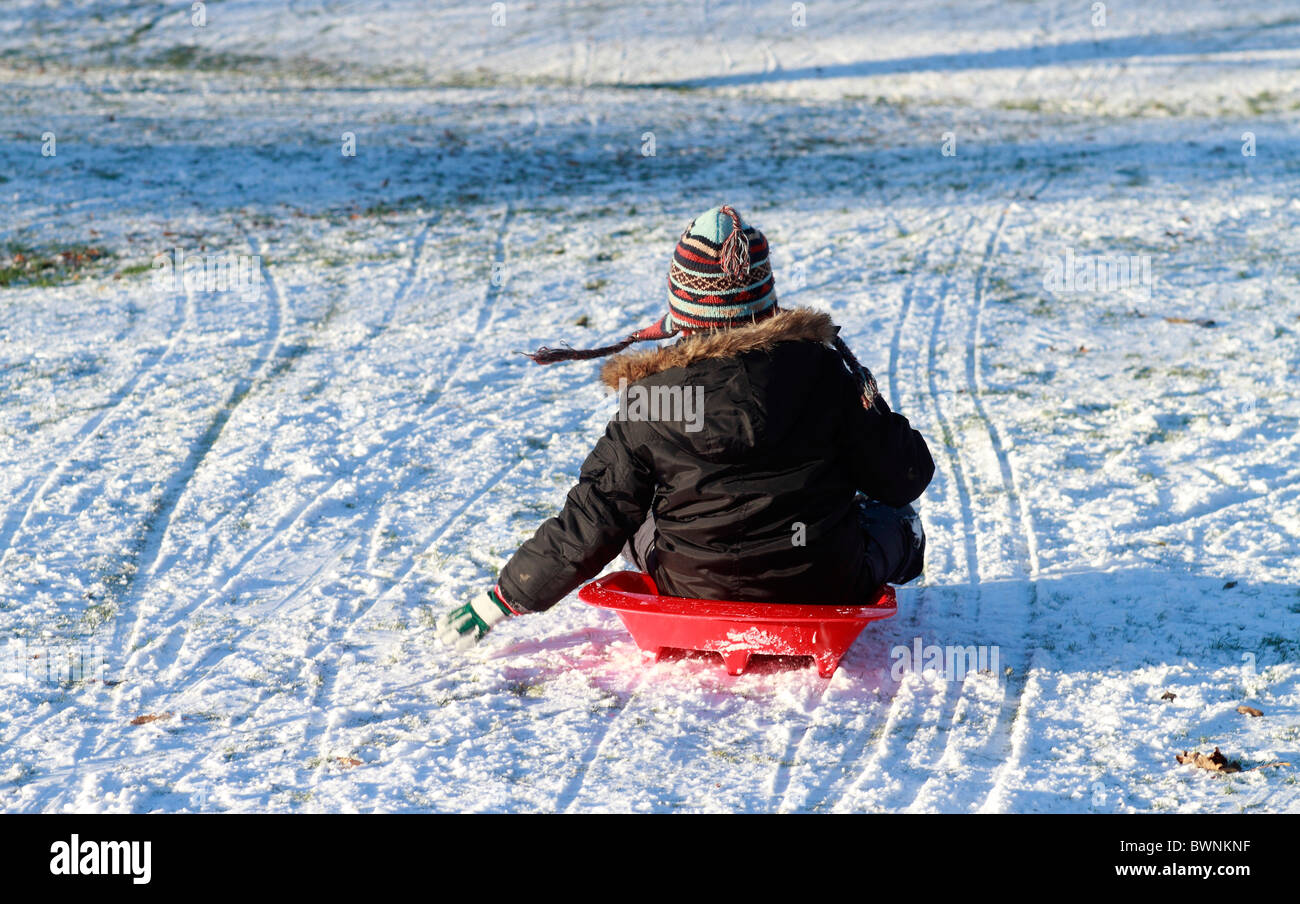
column 253, row 505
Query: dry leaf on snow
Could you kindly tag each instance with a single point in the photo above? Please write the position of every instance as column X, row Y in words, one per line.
column 152, row 717
column 1215, row 762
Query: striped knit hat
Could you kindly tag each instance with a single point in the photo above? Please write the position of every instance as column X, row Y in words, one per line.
column 720, row 276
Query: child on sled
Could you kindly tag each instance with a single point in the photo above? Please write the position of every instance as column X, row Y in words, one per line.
column 772, row 470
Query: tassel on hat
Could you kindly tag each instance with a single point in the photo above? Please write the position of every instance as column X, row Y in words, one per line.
column 735, row 250
column 545, row 355
column 720, row 276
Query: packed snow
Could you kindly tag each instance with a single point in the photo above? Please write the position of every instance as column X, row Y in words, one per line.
column 230, row 518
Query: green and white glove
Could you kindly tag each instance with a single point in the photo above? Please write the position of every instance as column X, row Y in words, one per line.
column 465, row 625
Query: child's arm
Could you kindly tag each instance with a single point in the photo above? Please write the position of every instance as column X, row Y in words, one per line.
column 613, row 494
column 890, row 460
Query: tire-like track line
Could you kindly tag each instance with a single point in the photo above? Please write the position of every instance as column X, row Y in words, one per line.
column 835, row 794
column 569, row 797
column 156, row 526
column 16, row 523
column 328, row 696
column 306, row 507
column 781, row 784
column 314, row 500
column 1019, row 691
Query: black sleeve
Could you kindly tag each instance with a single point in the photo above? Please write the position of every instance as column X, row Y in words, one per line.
column 888, row 460
column 610, row 501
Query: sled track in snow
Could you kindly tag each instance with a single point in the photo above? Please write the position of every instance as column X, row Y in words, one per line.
column 930, row 399
column 1009, row 732
column 149, row 545
column 572, row 793
column 905, row 310
column 154, row 531
column 171, row 642
column 16, row 523
column 796, row 753
column 912, row 691
column 779, row 787
column 303, row 512
column 912, row 696
column 938, row 707
column 949, row 436
column 974, row 379
column 950, row 460
column 315, row 500
column 446, row 525
column 1003, row 714
column 404, row 483
column 328, row 696
column 418, row 428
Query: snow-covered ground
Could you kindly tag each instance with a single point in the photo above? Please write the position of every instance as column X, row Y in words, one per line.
column 252, row 506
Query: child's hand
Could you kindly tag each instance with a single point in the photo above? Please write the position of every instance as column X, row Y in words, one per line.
column 465, row 625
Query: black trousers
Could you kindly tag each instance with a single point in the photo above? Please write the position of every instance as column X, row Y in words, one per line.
column 894, row 539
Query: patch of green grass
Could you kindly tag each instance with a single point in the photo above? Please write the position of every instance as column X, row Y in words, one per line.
column 135, row 269
column 426, row 617
column 1263, row 102
column 524, row 689
column 1159, row 106
column 191, row 56
column 409, row 202
column 999, row 285
column 97, row 614
column 44, row 267
column 1029, row 105
column 1286, row 648
column 1184, row 370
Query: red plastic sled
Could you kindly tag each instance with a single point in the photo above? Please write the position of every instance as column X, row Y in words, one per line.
column 735, row 630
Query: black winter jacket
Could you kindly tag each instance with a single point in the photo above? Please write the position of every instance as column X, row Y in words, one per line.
column 776, row 456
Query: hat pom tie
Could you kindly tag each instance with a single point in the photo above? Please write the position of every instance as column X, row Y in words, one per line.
column 735, row 247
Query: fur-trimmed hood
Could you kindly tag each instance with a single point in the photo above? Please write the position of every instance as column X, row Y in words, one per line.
column 795, row 324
